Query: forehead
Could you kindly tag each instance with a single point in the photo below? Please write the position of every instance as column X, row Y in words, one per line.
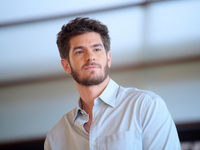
column 86, row 39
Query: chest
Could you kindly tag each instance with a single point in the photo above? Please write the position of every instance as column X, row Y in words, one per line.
column 114, row 129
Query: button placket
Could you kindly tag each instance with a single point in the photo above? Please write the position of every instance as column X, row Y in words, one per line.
column 93, row 143
column 94, row 126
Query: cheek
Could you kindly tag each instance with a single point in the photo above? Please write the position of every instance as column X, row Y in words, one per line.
column 76, row 65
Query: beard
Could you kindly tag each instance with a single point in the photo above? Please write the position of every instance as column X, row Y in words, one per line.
column 91, row 80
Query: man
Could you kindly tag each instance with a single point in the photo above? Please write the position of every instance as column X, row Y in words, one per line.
column 107, row 116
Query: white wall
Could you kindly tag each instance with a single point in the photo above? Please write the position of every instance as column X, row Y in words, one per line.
column 30, row 111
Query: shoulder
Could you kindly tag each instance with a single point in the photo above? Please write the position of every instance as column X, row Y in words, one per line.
column 59, row 133
column 142, row 101
column 138, row 94
column 63, row 124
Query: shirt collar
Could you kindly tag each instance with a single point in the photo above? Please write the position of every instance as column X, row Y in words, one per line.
column 77, row 109
column 110, row 93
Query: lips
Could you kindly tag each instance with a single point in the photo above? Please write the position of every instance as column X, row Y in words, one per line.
column 91, row 66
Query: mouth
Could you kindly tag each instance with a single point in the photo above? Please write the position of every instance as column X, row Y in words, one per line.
column 91, row 66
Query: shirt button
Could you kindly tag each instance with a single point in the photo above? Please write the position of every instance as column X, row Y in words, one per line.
column 81, row 123
column 93, row 143
column 82, row 112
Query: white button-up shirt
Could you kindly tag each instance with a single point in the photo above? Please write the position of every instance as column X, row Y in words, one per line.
column 123, row 119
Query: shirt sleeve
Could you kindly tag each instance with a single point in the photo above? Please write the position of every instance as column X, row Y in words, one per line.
column 159, row 131
column 47, row 145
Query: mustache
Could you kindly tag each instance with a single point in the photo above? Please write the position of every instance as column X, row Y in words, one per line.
column 91, row 64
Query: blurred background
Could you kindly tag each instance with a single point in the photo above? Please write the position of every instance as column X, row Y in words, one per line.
column 155, row 46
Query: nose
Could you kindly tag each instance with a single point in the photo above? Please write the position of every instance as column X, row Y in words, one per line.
column 90, row 57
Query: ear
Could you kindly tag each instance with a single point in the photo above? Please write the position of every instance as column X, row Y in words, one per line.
column 66, row 65
column 109, row 58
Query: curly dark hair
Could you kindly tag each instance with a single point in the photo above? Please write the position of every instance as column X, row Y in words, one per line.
column 80, row 26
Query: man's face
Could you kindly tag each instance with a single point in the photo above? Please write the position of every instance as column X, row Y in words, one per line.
column 88, row 62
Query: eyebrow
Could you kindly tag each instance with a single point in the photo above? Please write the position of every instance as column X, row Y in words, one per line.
column 97, row 45
column 78, row 47
column 82, row 47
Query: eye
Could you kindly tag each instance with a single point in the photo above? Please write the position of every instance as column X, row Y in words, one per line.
column 78, row 52
column 97, row 50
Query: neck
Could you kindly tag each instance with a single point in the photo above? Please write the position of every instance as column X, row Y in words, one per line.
column 89, row 93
